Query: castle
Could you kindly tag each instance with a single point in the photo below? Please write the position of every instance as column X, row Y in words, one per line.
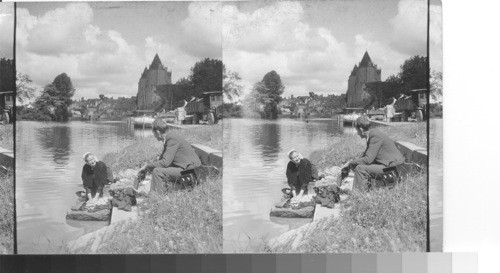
column 360, row 75
column 156, row 74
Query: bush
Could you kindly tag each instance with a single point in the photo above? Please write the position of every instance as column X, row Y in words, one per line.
column 436, row 110
column 23, row 113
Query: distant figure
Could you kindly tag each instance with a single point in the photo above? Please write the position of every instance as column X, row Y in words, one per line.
column 389, row 110
column 299, row 172
column 95, row 174
column 380, row 153
column 180, row 112
column 5, row 116
column 177, row 156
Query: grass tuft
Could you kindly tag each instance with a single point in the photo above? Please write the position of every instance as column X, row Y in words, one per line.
column 6, row 213
column 179, row 222
column 7, row 136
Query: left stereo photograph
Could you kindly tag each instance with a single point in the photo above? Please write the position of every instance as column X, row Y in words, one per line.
column 118, row 133
column 7, row 87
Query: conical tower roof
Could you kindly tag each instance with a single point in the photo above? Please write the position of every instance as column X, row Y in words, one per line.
column 156, row 64
column 366, row 61
column 143, row 75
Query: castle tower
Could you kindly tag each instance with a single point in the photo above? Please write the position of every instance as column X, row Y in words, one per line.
column 365, row 72
column 155, row 75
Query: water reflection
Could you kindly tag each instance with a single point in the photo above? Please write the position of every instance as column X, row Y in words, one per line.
column 57, row 142
column 267, row 136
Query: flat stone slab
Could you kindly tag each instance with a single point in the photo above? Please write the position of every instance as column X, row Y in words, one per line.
column 101, row 215
column 306, row 212
column 408, row 149
column 6, row 158
column 323, row 212
column 94, row 242
column 118, row 215
column 208, row 155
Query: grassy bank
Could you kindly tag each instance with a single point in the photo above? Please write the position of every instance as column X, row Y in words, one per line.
column 6, row 213
column 7, row 136
column 142, row 150
column 179, row 222
column 415, row 133
column 384, row 220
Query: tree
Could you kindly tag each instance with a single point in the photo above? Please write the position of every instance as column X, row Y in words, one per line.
column 266, row 95
column 206, row 75
column 436, row 83
column 24, row 89
column 412, row 74
column 231, row 85
column 7, row 75
column 102, row 97
column 274, row 86
column 56, row 98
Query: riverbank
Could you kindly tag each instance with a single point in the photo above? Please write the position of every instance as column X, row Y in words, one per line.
column 6, row 213
column 179, row 222
column 385, row 220
column 140, row 151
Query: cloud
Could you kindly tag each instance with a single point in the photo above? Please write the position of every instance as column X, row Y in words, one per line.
column 65, row 40
column 277, row 27
column 277, row 37
column 61, row 31
column 436, row 38
column 6, row 31
column 410, row 27
column 202, row 30
column 100, row 60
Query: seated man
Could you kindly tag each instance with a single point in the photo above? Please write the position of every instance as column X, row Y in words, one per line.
column 380, row 153
column 177, row 156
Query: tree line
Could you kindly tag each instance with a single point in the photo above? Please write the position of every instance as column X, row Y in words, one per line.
column 266, row 94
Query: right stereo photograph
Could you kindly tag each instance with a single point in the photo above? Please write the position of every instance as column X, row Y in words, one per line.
column 332, row 126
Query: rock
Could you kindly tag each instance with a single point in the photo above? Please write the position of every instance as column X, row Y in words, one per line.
column 96, row 242
column 282, row 203
column 306, row 212
column 101, row 215
column 78, row 205
column 291, row 240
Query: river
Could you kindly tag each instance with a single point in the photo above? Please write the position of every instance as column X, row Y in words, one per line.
column 254, row 173
column 48, row 173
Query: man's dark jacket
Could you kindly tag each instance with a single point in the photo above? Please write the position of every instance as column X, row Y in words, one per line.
column 176, row 152
column 380, row 149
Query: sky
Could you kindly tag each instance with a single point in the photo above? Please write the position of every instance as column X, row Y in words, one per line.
column 314, row 45
column 104, row 47
column 7, row 30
